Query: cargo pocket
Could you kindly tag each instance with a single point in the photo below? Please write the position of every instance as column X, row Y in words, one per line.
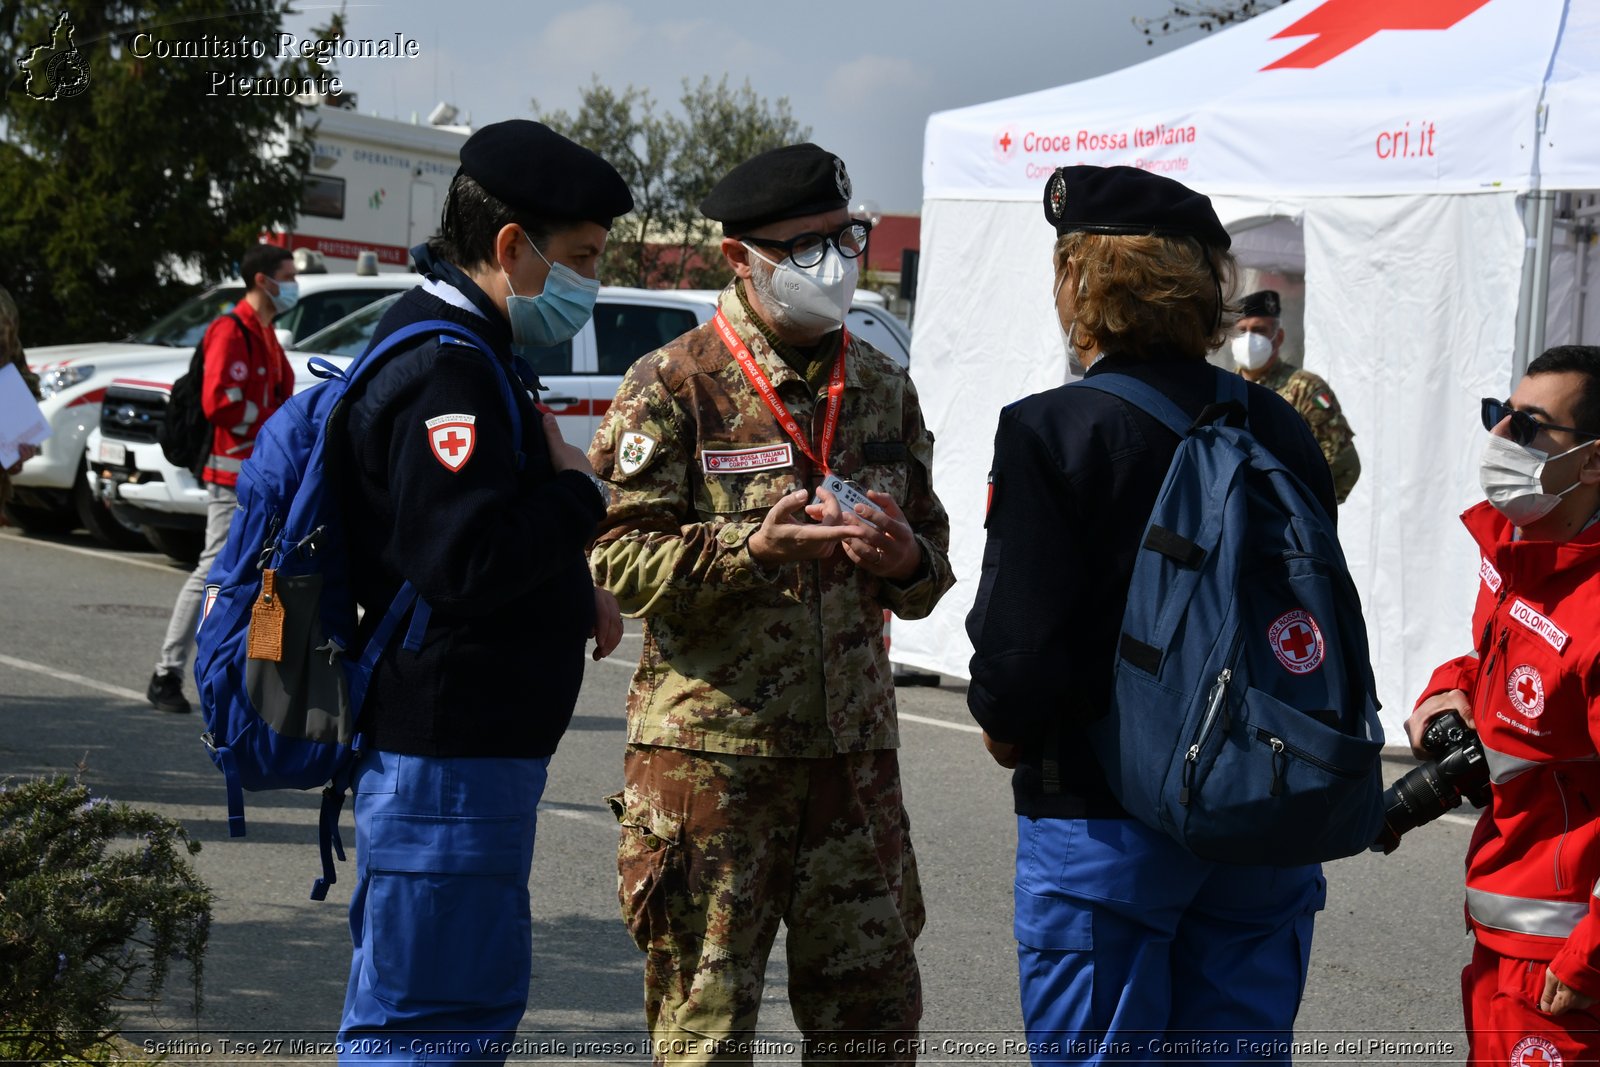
column 447, row 911
column 730, row 494
column 649, row 869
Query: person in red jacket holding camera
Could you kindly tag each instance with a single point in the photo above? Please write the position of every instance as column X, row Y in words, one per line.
column 247, row 379
column 1531, row 688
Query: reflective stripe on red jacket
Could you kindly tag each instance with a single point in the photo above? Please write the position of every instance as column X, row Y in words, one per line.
column 1533, row 681
column 247, row 379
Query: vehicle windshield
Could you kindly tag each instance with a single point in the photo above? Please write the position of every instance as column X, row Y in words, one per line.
column 184, row 326
column 348, row 336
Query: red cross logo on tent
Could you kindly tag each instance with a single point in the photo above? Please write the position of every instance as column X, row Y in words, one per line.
column 1526, row 690
column 1296, row 641
column 451, row 438
column 1004, row 144
column 1535, row 1052
column 1339, row 25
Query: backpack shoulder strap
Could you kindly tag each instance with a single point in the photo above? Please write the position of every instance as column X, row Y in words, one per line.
column 1146, row 398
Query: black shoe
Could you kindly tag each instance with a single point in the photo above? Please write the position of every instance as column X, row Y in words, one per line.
column 166, row 692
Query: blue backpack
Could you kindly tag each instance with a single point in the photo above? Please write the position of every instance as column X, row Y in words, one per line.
column 281, row 698
column 1243, row 722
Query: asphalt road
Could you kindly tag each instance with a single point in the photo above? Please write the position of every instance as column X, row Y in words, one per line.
column 81, row 631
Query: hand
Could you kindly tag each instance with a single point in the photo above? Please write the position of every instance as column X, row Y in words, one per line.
column 892, row 550
column 563, row 457
column 785, row 536
column 1560, row 998
column 1004, row 753
column 24, row 453
column 607, row 632
column 1432, row 708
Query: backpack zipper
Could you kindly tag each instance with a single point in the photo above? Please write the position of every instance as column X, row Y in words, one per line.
column 1280, row 746
column 1215, row 710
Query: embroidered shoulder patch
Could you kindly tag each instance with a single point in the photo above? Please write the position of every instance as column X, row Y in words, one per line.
column 452, row 437
column 634, row 451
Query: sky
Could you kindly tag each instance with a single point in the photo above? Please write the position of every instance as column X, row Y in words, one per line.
column 864, row 75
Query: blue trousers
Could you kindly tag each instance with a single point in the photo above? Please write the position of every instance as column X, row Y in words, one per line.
column 1132, row 950
column 442, row 935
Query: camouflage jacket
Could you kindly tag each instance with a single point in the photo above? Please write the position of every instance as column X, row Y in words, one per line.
column 738, row 658
column 1308, row 394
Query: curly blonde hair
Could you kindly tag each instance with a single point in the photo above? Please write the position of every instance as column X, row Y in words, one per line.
column 1138, row 294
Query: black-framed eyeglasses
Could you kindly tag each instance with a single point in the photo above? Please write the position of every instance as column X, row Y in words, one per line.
column 1524, row 427
column 807, row 249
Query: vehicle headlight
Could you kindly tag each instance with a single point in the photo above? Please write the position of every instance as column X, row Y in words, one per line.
column 52, row 382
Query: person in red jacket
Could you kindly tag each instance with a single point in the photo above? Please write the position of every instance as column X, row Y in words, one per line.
column 1531, row 688
column 247, row 378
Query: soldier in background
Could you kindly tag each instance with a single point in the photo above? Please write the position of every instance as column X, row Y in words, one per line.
column 1255, row 352
column 11, row 352
column 762, row 783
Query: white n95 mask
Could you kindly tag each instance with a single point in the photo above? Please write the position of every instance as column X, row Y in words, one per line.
column 1252, row 350
column 811, row 298
column 1512, row 477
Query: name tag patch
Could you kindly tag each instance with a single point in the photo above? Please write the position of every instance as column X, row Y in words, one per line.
column 1554, row 635
column 1490, row 576
column 742, row 460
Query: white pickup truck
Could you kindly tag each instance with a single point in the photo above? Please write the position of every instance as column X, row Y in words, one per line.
column 126, row 469
column 53, row 494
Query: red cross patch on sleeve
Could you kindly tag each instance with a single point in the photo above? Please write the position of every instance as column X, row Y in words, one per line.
column 451, row 438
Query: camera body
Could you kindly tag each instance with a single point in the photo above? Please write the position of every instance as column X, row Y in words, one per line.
column 1458, row 769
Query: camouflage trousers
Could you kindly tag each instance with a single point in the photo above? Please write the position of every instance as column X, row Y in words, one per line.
column 717, row 850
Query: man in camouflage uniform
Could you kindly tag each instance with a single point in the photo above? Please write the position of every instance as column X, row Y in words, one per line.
column 11, row 352
column 1255, row 351
column 761, row 777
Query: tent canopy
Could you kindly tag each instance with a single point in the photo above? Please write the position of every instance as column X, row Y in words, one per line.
column 1342, row 97
column 1381, row 147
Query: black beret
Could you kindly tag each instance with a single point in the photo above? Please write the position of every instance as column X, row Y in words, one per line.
column 529, row 167
column 784, row 183
column 1127, row 200
column 1262, row 305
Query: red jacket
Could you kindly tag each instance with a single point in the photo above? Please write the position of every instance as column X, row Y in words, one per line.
column 1534, row 685
column 247, row 379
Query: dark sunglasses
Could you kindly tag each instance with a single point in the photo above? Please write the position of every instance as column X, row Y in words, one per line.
column 1524, row 427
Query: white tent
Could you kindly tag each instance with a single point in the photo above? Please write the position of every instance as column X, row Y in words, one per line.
column 1405, row 156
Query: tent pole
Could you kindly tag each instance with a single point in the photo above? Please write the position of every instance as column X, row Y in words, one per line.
column 1541, row 276
column 1530, row 226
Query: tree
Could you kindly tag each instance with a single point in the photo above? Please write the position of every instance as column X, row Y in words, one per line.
column 671, row 162
column 117, row 196
column 1201, row 16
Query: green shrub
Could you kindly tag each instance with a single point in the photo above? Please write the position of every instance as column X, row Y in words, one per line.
column 91, row 893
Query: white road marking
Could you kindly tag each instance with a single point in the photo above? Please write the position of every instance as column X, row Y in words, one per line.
column 75, row 679
column 1464, row 820
column 966, row 728
column 568, row 813
column 99, row 554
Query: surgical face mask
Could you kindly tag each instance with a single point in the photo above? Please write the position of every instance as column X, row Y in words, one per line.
column 1512, row 477
column 1251, row 351
column 287, row 296
column 1074, row 360
column 555, row 315
column 807, row 298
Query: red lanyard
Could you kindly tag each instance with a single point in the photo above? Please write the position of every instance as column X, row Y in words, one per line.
column 763, row 385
